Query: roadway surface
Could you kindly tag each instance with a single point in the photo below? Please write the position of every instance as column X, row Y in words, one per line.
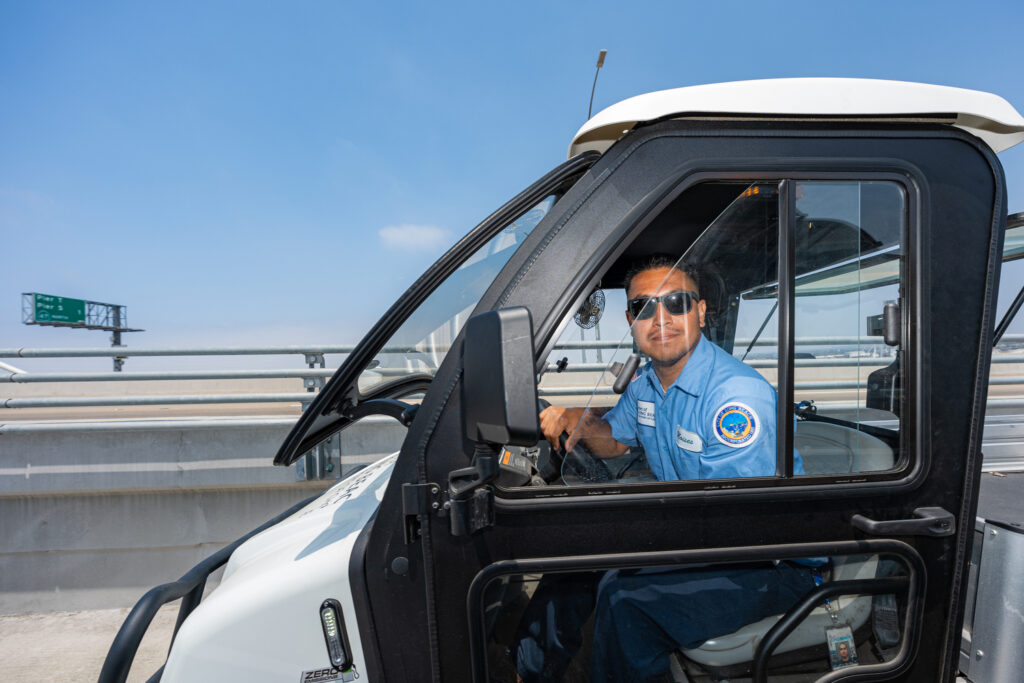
column 71, row 646
column 999, row 500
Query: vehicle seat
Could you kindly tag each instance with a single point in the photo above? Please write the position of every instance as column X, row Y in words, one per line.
column 827, row 448
column 739, row 647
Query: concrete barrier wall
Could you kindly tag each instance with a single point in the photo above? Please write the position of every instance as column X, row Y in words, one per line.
column 93, row 518
column 72, row 459
column 76, row 552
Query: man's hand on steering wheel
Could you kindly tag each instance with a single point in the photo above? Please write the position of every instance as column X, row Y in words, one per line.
column 556, row 421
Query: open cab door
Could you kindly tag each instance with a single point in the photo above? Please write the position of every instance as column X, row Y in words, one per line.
column 800, row 505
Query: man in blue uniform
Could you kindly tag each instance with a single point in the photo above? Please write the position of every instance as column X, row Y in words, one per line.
column 714, row 420
column 699, row 414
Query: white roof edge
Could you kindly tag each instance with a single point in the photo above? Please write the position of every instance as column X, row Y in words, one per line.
column 983, row 114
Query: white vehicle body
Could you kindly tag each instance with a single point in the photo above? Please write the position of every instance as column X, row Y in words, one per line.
column 261, row 624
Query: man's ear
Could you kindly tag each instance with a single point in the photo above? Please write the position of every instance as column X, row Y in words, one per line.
column 629, row 319
column 702, row 309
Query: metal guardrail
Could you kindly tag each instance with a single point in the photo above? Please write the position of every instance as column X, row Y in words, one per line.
column 46, row 377
column 186, row 399
column 144, row 425
column 314, row 377
column 312, row 373
column 129, row 352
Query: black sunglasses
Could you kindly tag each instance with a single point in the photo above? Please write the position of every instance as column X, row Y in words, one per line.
column 676, row 303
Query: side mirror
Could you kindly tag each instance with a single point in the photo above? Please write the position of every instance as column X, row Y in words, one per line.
column 499, row 387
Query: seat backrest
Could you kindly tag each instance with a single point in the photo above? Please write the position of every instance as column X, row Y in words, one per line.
column 849, row 567
column 827, row 448
column 853, row 610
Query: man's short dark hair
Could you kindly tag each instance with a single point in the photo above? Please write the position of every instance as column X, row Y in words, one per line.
column 660, row 261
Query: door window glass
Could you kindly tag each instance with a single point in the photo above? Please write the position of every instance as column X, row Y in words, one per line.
column 686, row 325
column 357, row 446
column 847, row 375
column 1005, row 370
column 694, row 405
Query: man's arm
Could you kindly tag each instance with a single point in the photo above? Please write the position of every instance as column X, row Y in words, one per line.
column 749, row 455
column 580, row 424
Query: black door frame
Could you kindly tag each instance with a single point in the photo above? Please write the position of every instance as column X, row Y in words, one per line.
column 420, row 616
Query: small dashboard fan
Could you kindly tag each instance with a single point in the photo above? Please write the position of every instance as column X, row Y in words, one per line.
column 590, row 311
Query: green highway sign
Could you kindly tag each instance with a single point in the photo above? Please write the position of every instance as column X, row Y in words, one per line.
column 58, row 309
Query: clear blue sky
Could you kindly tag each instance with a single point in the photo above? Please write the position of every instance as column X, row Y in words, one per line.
column 230, row 170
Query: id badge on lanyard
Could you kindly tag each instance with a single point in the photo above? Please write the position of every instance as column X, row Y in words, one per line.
column 842, row 651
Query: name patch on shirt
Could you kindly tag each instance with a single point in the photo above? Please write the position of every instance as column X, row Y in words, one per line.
column 688, row 440
column 736, row 425
column 645, row 413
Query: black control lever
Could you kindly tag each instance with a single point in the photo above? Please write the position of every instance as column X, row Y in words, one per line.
column 927, row 522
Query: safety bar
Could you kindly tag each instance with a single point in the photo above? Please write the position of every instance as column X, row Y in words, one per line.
column 786, row 625
column 189, row 588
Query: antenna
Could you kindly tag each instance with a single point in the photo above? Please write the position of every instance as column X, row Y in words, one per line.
column 600, row 63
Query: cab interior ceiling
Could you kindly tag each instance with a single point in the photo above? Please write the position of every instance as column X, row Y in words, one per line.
column 748, row 232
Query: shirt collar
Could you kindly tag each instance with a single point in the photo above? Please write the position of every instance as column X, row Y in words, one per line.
column 695, row 373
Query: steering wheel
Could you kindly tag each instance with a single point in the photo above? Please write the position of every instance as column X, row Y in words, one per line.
column 579, row 466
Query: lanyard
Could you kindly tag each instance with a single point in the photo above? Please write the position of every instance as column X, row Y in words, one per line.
column 832, row 611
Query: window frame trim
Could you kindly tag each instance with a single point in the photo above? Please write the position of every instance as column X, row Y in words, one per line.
column 913, row 462
column 784, row 436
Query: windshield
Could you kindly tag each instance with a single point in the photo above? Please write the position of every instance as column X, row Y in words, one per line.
column 419, row 346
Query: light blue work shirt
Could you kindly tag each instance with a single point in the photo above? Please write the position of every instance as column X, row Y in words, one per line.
column 716, row 421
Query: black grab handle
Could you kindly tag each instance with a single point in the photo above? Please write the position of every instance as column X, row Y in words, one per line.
column 927, row 522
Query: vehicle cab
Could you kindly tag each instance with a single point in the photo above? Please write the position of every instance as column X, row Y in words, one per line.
column 845, row 237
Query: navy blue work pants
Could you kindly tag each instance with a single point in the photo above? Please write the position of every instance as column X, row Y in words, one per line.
column 551, row 629
column 643, row 615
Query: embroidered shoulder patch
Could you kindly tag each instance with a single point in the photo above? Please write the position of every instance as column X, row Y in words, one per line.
column 736, row 425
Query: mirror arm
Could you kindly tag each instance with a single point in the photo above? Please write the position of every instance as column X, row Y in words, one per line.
column 462, row 482
column 471, row 500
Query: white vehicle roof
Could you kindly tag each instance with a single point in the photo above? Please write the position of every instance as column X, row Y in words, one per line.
column 985, row 115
